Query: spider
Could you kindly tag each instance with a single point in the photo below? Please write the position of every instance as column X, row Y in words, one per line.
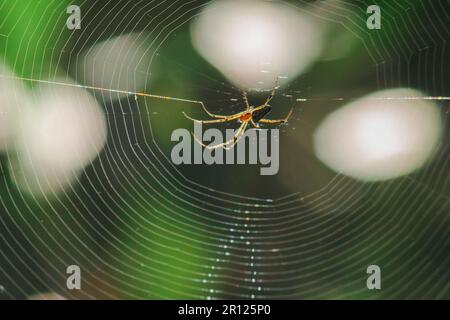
column 251, row 114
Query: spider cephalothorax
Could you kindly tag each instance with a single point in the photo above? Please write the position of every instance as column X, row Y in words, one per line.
column 253, row 115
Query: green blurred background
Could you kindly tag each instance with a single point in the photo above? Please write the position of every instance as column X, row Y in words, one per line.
column 139, row 227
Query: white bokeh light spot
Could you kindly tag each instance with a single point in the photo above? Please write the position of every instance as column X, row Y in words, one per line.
column 379, row 135
column 59, row 135
column 117, row 63
column 254, row 42
column 375, row 138
column 13, row 98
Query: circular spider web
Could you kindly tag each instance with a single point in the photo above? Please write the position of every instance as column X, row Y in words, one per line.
column 139, row 226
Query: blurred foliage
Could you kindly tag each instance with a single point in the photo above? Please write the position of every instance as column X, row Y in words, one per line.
column 154, row 250
column 36, row 33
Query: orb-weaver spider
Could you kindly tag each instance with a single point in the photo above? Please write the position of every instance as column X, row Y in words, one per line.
column 253, row 115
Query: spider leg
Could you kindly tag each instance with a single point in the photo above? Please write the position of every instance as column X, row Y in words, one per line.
column 247, row 105
column 278, row 121
column 272, row 93
column 256, row 125
column 225, row 144
column 237, row 136
column 212, row 115
column 206, row 121
column 270, row 121
column 225, row 119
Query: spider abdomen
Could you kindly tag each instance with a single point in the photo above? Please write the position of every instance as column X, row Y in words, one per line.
column 246, row 117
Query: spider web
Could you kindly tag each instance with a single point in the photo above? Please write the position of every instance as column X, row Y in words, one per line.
column 140, row 227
